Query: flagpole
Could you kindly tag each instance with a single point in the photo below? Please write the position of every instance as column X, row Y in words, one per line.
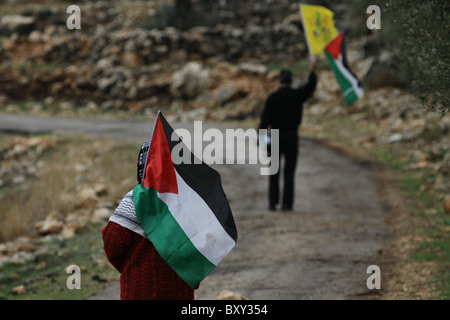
column 311, row 55
column 156, row 122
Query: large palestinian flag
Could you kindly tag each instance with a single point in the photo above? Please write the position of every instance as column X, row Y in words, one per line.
column 183, row 209
column 336, row 54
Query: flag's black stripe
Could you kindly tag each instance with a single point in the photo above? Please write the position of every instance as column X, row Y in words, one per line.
column 206, row 182
column 345, row 61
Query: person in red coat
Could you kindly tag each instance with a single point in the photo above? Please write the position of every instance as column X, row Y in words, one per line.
column 144, row 275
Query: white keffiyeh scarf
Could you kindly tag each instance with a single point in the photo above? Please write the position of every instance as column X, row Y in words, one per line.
column 125, row 215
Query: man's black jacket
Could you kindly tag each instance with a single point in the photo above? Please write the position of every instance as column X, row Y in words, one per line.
column 284, row 108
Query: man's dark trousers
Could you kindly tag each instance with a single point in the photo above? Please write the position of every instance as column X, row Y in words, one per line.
column 288, row 152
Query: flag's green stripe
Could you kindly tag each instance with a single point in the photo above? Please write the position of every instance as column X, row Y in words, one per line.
column 345, row 84
column 351, row 96
column 168, row 237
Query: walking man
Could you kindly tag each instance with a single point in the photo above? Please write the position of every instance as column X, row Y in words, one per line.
column 283, row 110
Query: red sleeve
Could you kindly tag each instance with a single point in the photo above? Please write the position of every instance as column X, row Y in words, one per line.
column 116, row 242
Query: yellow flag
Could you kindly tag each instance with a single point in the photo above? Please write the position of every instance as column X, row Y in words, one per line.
column 318, row 25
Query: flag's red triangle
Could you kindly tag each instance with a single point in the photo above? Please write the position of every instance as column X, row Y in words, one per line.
column 159, row 171
column 334, row 47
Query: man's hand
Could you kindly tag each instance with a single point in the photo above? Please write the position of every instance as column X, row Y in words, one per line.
column 312, row 64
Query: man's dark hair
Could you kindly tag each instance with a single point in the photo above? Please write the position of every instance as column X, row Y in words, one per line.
column 285, row 76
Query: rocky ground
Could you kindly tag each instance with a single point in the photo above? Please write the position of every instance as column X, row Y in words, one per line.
column 54, row 196
column 116, row 62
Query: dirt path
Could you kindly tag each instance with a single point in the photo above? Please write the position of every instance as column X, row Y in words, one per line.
column 320, row 250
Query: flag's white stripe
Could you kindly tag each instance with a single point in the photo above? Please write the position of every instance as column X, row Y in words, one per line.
column 354, row 82
column 198, row 222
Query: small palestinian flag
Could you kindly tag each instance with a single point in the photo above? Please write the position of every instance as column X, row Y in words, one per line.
column 183, row 209
column 336, row 54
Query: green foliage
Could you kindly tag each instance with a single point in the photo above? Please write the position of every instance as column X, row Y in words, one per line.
column 418, row 33
column 422, row 41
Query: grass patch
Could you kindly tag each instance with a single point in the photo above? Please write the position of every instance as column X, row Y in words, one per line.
column 437, row 250
column 45, row 278
column 434, row 225
column 73, row 163
column 412, row 183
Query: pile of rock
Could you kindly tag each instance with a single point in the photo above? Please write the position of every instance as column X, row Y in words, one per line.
column 237, row 31
column 20, row 250
column 23, row 160
column 18, row 159
column 121, row 65
column 89, row 208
